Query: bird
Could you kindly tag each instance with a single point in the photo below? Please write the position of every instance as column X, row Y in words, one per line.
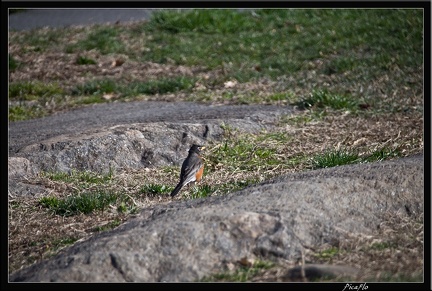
column 192, row 168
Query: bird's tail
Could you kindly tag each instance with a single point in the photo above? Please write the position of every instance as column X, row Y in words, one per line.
column 176, row 189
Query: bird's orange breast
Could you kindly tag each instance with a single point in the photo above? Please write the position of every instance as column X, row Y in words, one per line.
column 199, row 174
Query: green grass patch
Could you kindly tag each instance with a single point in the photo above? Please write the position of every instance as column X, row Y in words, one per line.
column 33, row 90
column 283, row 41
column 261, row 155
column 34, row 99
column 333, row 158
column 79, row 177
column 328, row 253
column 382, row 154
column 155, row 190
column 201, row 191
column 320, row 99
column 151, row 87
column 340, row 65
column 84, row 61
column 18, row 112
column 244, row 155
column 38, row 40
column 242, row 274
column 82, row 203
column 61, row 243
column 104, row 39
column 202, row 21
column 339, row 157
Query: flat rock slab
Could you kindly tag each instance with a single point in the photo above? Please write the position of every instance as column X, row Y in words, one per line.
column 184, row 241
column 133, row 146
column 28, row 132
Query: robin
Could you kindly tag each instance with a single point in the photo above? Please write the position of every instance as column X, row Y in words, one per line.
column 192, row 168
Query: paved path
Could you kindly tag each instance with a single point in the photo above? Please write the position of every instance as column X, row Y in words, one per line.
column 38, row 18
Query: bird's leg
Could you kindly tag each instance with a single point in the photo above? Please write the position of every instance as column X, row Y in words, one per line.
column 193, row 184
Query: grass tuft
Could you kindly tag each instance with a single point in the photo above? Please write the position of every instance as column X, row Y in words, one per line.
column 200, row 192
column 85, row 61
column 333, row 158
column 327, row 254
column 153, row 190
column 82, row 203
column 339, row 157
column 320, row 99
column 382, row 154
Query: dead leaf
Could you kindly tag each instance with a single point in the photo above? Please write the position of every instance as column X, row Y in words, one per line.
column 107, row 96
column 117, row 63
column 230, row 84
column 246, row 262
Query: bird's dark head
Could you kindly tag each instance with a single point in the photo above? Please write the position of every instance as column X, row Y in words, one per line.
column 196, row 148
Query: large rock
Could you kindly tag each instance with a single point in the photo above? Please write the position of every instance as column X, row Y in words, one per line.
column 19, row 167
column 134, row 146
column 19, row 170
column 186, row 240
column 105, row 115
